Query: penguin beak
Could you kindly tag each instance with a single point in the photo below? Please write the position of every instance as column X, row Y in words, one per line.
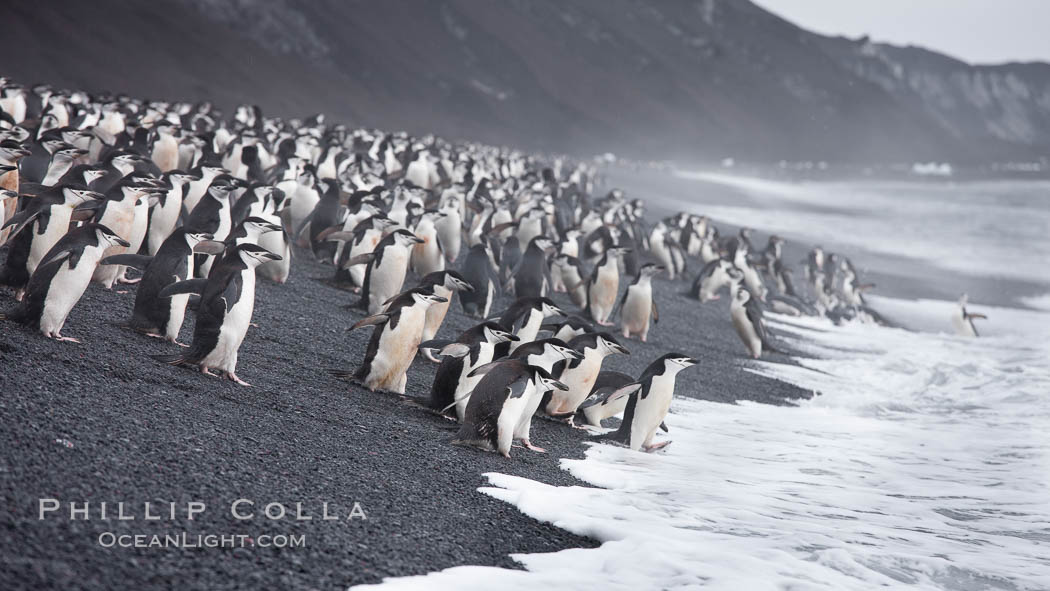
column 511, row 337
column 559, row 385
column 692, row 361
column 121, row 242
column 620, row 348
column 273, row 256
column 575, row 354
column 417, row 240
column 440, row 300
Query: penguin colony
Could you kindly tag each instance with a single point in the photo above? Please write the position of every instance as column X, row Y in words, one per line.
column 188, row 209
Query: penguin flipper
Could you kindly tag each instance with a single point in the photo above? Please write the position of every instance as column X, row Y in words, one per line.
column 484, row 369
column 370, row 320
column 139, row 261
column 663, row 426
column 195, row 286
column 608, row 395
column 656, row 313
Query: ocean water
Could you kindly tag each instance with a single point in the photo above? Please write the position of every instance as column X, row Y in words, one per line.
column 924, row 463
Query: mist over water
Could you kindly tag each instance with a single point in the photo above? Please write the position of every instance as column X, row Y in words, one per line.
column 924, row 462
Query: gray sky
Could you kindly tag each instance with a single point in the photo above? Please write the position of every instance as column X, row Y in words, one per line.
column 977, row 31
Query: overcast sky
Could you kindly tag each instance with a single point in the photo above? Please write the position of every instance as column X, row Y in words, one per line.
column 977, row 31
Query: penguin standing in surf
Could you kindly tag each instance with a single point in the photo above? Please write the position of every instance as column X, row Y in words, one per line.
column 962, row 320
column 225, row 311
column 647, row 406
column 61, row 278
column 750, row 326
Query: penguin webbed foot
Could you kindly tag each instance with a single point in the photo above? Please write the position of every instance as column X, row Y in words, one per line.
column 233, row 377
column 206, row 371
column 63, row 339
column 655, row 447
column 529, row 446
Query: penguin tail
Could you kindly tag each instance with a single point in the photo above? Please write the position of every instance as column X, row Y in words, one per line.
column 178, row 359
column 350, row 376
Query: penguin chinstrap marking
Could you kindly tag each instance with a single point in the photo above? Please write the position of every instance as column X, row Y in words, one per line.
column 647, row 407
column 525, row 318
column 385, row 274
column 225, row 312
column 638, row 304
column 395, row 339
column 497, row 403
column 61, row 279
column 444, row 284
column 157, row 316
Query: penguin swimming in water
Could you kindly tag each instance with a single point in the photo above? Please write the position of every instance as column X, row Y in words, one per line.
column 156, row 316
column 604, row 285
column 962, row 320
column 61, row 278
column 394, row 341
column 479, row 270
column 579, row 376
column 385, row 274
column 498, row 401
column 225, row 312
column 638, row 304
column 648, row 405
column 746, row 314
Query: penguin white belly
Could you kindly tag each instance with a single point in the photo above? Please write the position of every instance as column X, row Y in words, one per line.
column 572, row 279
column 449, row 233
column 963, row 326
column 418, row 174
column 234, row 327
column 436, row 313
column 747, row 332
column 580, row 380
column 220, row 235
column 176, row 315
column 57, row 227
column 711, row 284
column 397, row 349
column 426, row 257
column 387, row 278
column 67, row 286
column 303, row 202
column 599, row 412
column 532, row 403
column 707, row 253
column 754, row 282
column 276, row 270
column 467, row 384
column 603, row 294
column 488, row 300
column 119, row 217
column 637, row 308
column 663, row 255
column 166, row 153
column 162, row 223
column 651, row 411
column 367, row 245
column 508, row 419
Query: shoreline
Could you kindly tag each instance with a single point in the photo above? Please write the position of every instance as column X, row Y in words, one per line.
column 143, row 431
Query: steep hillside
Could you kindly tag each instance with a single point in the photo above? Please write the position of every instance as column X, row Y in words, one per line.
column 662, row 79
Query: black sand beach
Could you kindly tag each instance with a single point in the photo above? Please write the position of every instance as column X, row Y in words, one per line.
column 101, row 421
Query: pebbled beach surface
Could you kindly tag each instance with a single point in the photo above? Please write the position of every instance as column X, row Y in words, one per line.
column 101, row 421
